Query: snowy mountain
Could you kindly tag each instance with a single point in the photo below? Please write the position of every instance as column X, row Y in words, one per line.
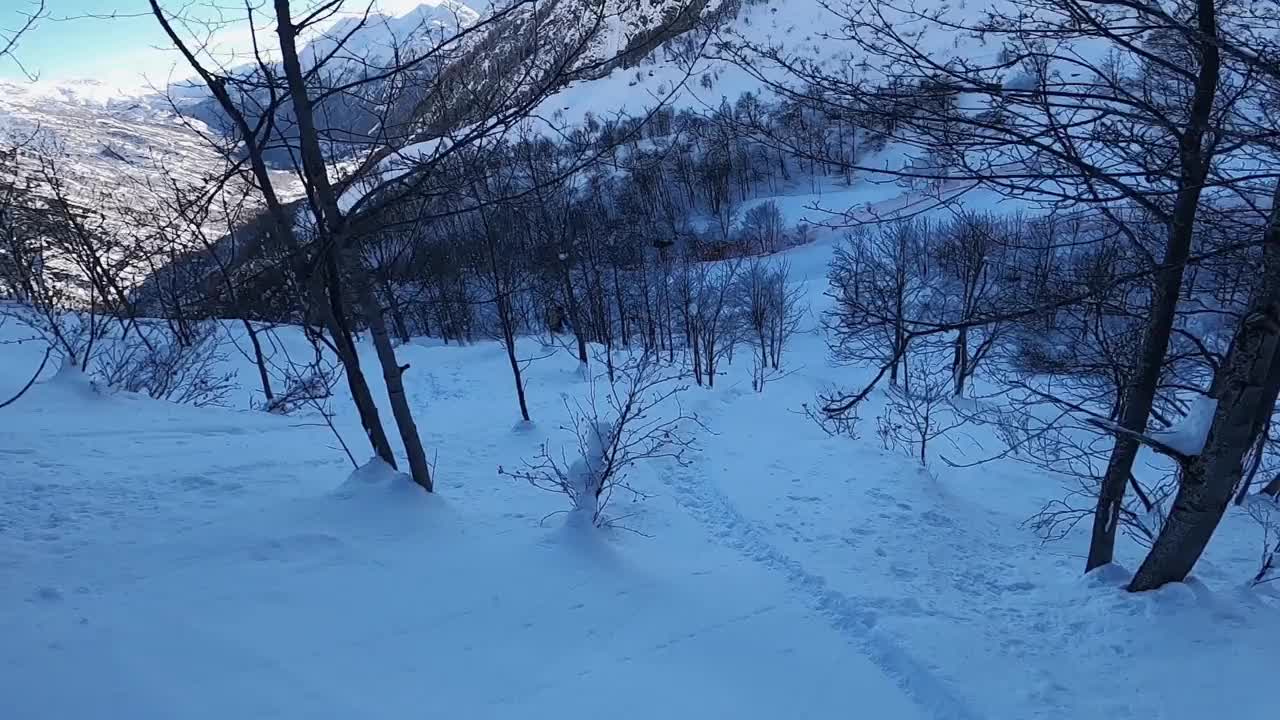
column 374, row 38
column 107, row 132
column 105, row 136
column 196, row 530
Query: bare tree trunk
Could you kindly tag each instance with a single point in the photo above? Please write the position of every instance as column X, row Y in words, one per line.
column 1259, row 447
column 361, row 395
column 1249, row 388
column 509, row 340
column 575, row 316
column 1245, row 387
column 622, row 310
column 960, row 363
column 1273, row 487
column 332, row 223
column 260, row 361
column 393, row 374
column 397, row 315
column 1141, row 393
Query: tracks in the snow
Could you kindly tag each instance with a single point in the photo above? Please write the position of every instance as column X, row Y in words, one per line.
column 854, row 619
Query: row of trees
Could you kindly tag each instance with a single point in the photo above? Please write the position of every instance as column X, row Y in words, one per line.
column 1128, row 290
column 1148, row 130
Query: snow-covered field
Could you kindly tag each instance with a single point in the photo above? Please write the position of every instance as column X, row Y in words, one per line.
column 162, row 561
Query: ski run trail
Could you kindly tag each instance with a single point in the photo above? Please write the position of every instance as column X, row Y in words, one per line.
column 160, row 561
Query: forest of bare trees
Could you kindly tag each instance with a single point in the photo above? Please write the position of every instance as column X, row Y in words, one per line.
column 1135, row 282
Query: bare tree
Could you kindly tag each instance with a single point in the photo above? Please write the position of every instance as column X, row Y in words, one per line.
column 970, row 258
column 505, row 263
column 636, row 419
column 1136, row 127
column 771, row 308
column 764, row 229
column 704, row 292
column 11, row 34
column 879, row 281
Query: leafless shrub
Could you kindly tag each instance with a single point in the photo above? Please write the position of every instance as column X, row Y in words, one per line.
column 919, row 410
column 307, row 385
column 634, row 419
column 188, row 373
column 1265, row 511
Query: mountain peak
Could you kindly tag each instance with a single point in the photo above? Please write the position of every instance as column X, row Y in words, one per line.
column 389, row 26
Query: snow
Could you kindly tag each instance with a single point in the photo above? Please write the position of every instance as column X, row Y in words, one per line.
column 165, row 561
column 214, row 564
column 388, row 26
column 1188, row 435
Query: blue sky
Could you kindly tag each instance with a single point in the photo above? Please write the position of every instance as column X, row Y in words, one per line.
column 126, row 51
column 114, row 51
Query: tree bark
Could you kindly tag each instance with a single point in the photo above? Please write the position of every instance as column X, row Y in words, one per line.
column 1141, row 393
column 260, row 360
column 1246, row 386
column 393, row 374
column 509, row 340
column 332, row 314
column 332, row 226
column 575, row 316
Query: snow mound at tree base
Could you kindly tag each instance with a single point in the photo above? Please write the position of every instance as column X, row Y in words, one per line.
column 374, row 478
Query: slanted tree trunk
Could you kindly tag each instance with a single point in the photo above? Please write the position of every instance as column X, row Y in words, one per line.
column 509, row 340
column 333, row 230
column 1273, row 487
column 1141, row 393
column 260, row 360
column 332, row 314
column 1245, row 387
column 393, row 374
column 1249, row 381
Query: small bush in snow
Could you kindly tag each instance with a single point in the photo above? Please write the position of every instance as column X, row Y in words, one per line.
column 637, row 417
column 167, row 369
column 919, row 409
column 306, row 386
column 1265, row 510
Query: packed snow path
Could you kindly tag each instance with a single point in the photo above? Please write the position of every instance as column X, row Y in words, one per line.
column 161, row 561
column 853, row 617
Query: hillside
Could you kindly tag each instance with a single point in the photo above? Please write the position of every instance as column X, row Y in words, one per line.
column 214, row 562
column 105, row 136
column 735, row 359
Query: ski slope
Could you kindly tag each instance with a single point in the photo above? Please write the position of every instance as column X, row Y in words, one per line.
column 162, row 561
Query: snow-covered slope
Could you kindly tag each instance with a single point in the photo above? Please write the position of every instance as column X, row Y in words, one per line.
column 373, row 38
column 797, row 25
column 104, row 135
column 164, row 561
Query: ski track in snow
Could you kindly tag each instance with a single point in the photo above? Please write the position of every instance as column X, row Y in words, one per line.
column 854, row 617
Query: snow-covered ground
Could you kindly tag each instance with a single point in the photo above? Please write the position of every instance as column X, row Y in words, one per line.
column 162, row 561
